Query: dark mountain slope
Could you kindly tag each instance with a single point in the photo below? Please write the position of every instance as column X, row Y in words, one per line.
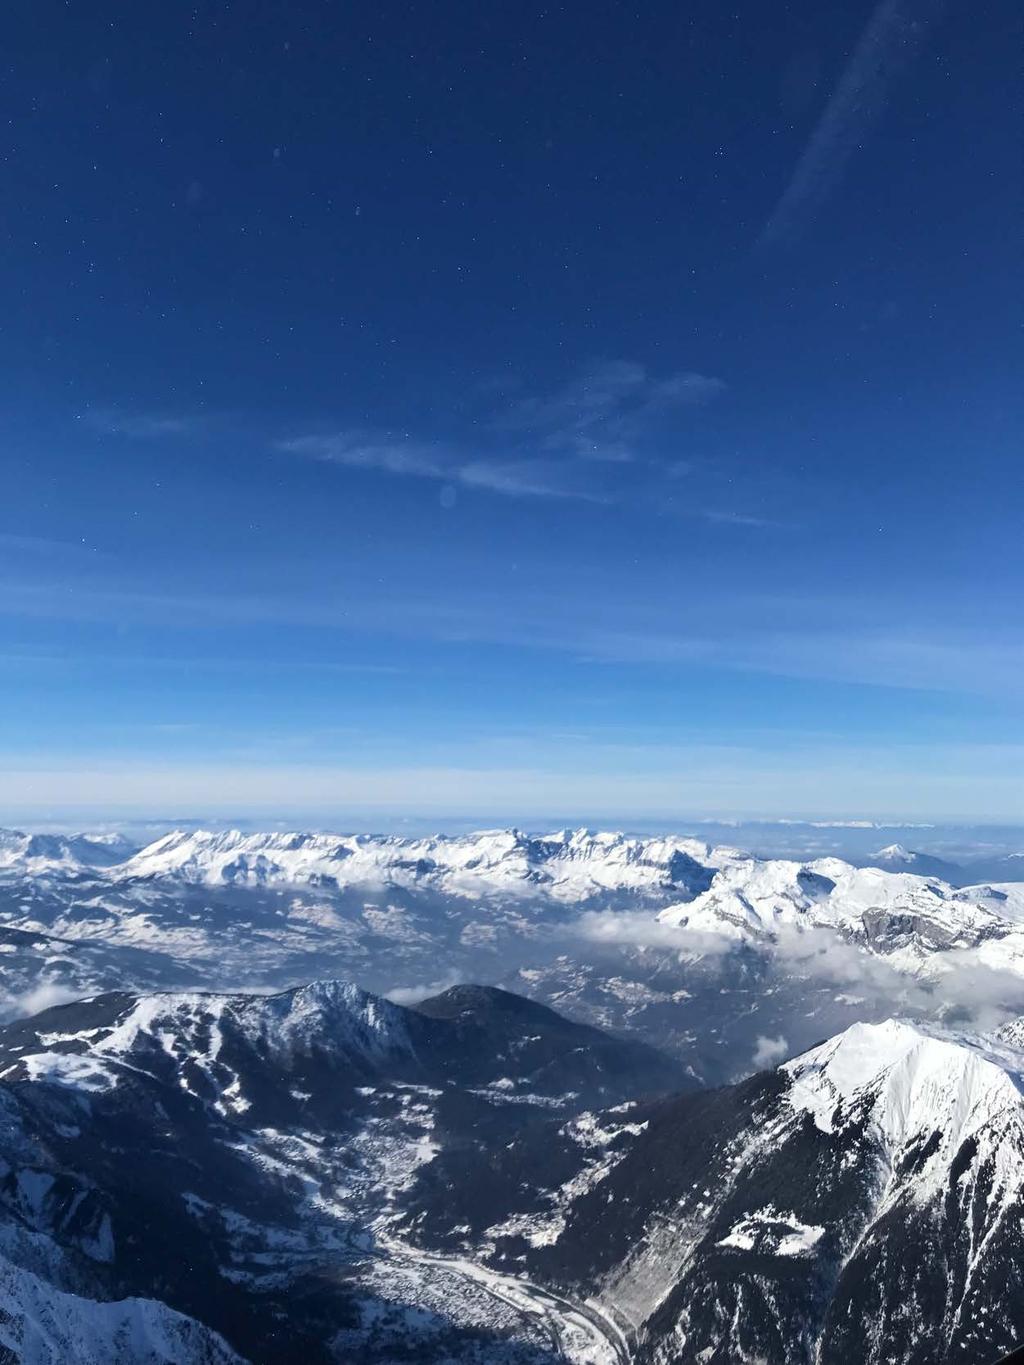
column 239, row 1158
column 864, row 1203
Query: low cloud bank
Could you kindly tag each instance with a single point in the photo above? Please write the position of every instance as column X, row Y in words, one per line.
column 423, row 990
column 956, row 985
column 769, row 1051
column 42, row 997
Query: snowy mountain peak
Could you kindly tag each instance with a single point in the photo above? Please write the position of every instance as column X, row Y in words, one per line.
column 913, row 920
column 894, row 853
column 913, row 1087
column 38, row 855
column 899, row 858
column 328, row 1014
column 92, row 1041
column 867, row 1197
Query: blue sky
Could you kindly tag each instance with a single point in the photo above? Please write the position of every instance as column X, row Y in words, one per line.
column 512, row 410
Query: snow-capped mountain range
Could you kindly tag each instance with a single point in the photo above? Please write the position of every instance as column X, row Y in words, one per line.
column 477, row 1177
column 569, row 864
column 43, row 854
column 708, row 951
column 347, row 1180
column 909, row 918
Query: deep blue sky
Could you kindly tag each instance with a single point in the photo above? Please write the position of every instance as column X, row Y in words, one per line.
column 591, row 411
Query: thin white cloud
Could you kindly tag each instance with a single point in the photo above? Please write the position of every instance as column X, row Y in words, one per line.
column 606, row 412
column 538, row 447
column 43, row 548
column 719, row 518
column 886, row 46
column 528, row 478
column 923, row 782
column 521, row 478
column 365, row 450
column 820, row 955
column 38, row 998
column 141, row 425
column 769, row 1051
column 642, row 929
column 423, row 990
column 935, row 657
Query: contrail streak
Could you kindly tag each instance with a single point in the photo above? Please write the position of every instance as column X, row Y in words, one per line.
column 885, row 48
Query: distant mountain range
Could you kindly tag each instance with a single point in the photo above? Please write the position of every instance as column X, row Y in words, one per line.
column 42, row 854
column 324, row 1176
column 1006, row 867
column 722, row 958
column 569, row 864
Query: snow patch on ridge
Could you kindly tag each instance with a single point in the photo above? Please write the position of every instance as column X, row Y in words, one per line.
column 771, row 1233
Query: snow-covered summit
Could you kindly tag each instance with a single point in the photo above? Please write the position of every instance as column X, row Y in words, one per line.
column 894, row 853
column 899, row 858
column 37, row 855
column 913, row 1085
column 867, row 1196
column 912, row 919
column 93, row 1041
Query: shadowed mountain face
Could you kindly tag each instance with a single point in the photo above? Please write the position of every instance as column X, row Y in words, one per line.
column 864, row 1202
column 269, row 1141
column 482, row 1025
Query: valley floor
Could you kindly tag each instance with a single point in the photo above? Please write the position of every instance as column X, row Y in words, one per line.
column 580, row 1333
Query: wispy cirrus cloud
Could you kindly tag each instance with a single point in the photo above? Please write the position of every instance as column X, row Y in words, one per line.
column 608, row 629
column 523, row 477
column 371, row 450
column 566, row 444
column 886, row 47
column 740, row 519
column 542, row 446
column 34, row 545
column 605, row 413
column 537, row 478
column 959, row 781
column 43, row 549
column 143, row 426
